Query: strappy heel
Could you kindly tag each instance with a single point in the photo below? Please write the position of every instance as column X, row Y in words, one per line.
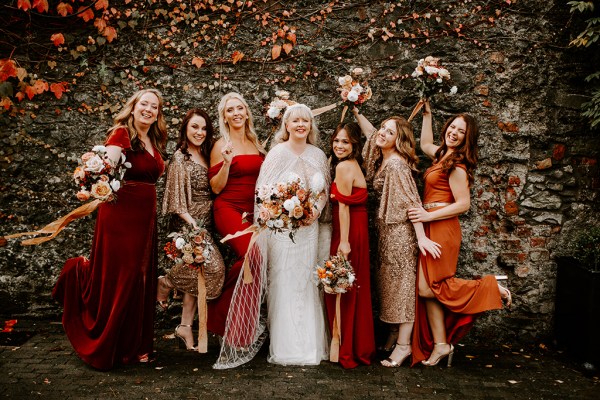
column 389, row 363
column 162, row 299
column 183, row 343
column 450, row 355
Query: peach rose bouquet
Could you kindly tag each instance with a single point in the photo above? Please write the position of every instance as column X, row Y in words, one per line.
column 190, row 246
column 97, row 177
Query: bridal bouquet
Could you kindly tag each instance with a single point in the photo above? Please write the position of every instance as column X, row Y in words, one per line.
column 285, row 206
column 354, row 88
column 97, row 177
column 336, row 275
column 278, row 106
column 431, row 77
column 190, row 247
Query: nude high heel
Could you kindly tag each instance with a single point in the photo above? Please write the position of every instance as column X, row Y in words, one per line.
column 183, row 343
column 389, row 363
column 450, row 355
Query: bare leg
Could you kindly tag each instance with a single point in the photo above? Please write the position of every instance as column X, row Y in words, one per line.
column 163, row 290
column 184, row 330
column 402, row 349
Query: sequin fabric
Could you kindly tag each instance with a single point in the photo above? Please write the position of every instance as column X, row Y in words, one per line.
column 188, row 190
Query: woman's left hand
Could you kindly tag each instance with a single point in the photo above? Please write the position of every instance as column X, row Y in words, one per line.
column 427, row 245
column 344, row 249
column 418, row 214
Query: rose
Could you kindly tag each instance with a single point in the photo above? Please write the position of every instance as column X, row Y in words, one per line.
column 282, row 94
column 94, row 165
column 298, row 212
column 301, row 194
column 289, row 205
column 187, row 248
column 357, row 88
column 199, row 258
column 83, row 195
column 99, row 149
column 352, row 96
column 188, row 258
column 263, row 214
column 273, row 112
column 443, row 72
column 198, row 250
column 87, row 156
column 179, row 243
column 344, row 94
column 198, row 238
column 101, row 190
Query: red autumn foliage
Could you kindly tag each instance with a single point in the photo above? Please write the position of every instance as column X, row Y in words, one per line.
column 58, row 89
column 8, row 69
column 57, row 39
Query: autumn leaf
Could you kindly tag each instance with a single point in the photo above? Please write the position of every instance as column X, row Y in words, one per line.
column 275, row 52
column 100, row 23
column 110, row 33
column 6, row 103
column 64, row 9
column 287, row 47
column 291, row 36
column 29, row 91
column 101, row 4
column 237, row 56
column 57, row 39
column 86, row 13
column 58, row 89
column 198, row 62
column 40, row 5
column 23, row 5
column 40, row 86
column 20, row 96
column 7, row 69
column 21, row 73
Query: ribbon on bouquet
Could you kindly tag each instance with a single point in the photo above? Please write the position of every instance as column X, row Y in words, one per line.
column 419, row 105
column 202, row 313
column 55, row 227
column 254, row 230
column 336, row 335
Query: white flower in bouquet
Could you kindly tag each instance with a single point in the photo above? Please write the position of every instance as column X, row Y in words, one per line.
column 127, row 164
column 271, row 223
column 273, row 112
column 357, row 88
column 94, row 165
column 352, row 96
column 317, row 183
column 115, row 185
column 277, row 223
column 99, row 149
column 179, row 243
column 289, row 205
column 283, row 94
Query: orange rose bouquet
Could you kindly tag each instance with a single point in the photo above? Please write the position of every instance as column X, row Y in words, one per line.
column 336, row 275
column 97, row 176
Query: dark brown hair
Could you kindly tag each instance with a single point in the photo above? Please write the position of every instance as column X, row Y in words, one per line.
column 206, row 146
column 354, row 135
column 466, row 152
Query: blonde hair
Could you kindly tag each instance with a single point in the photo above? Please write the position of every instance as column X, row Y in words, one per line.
column 249, row 130
column 302, row 111
column 158, row 130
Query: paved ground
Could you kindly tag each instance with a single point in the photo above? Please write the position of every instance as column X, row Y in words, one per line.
column 45, row 367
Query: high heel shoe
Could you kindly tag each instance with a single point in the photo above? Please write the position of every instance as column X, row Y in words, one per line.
column 162, row 294
column 392, row 338
column 390, row 363
column 183, row 343
column 450, row 354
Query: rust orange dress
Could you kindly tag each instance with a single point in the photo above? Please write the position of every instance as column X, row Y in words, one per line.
column 462, row 299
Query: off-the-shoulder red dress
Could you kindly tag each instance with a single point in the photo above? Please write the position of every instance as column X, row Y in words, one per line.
column 109, row 299
column 357, row 337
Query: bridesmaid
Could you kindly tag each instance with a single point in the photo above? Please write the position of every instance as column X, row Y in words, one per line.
column 350, row 238
column 109, row 299
column 187, row 199
column 446, row 306
column 390, row 161
column 235, row 162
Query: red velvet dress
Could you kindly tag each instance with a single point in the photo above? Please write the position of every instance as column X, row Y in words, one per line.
column 357, row 336
column 236, row 198
column 462, row 299
column 109, row 299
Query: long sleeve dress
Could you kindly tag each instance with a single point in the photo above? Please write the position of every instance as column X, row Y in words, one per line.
column 396, row 270
column 462, row 299
column 109, row 299
column 187, row 190
column 356, row 314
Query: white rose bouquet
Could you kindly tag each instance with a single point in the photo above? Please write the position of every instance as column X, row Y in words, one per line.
column 354, row 88
column 278, row 105
column 431, row 77
column 97, row 177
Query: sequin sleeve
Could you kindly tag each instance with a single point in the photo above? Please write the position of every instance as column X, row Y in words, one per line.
column 399, row 193
column 371, row 155
column 177, row 196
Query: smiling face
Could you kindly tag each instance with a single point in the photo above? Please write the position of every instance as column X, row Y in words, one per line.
column 146, row 109
column 235, row 114
column 342, row 147
column 298, row 126
column 387, row 135
column 455, row 134
column 196, row 131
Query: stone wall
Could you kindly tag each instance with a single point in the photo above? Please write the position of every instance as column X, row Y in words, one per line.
column 536, row 186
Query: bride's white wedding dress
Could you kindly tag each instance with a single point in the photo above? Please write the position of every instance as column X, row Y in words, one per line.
column 284, row 277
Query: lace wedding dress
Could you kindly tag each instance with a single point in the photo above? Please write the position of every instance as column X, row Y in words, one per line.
column 283, row 295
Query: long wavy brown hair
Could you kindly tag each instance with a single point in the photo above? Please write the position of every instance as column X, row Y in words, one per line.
column 158, row 130
column 354, row 135
column 465, row 153
column 206, row 146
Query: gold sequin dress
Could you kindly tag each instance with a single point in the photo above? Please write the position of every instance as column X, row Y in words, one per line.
column 396, row 270
column 188, row 190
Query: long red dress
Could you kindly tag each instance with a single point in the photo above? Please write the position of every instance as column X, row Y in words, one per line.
column 357, row 336
column 109, row 299
column 236, row 198
column 462, row 299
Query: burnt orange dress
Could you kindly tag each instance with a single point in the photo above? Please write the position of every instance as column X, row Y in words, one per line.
column 462, row 299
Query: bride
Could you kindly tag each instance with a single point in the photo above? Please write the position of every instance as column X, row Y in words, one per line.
column 284, row 267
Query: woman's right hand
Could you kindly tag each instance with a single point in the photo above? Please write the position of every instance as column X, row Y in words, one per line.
column 227, row 153
column 355, row 111
column 426, row 107
column 344, row 249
